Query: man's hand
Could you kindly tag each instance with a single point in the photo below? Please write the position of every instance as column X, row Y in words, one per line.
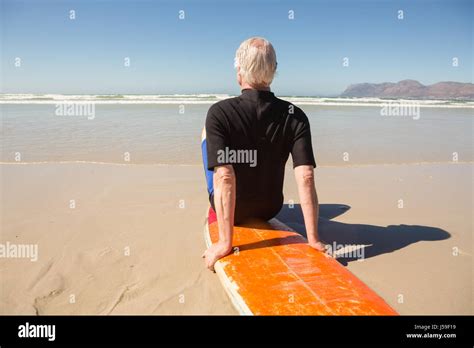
column 214, row 253
column 224, row 201
column 320, row 246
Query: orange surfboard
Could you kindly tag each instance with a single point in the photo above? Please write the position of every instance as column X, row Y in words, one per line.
column 273, row 271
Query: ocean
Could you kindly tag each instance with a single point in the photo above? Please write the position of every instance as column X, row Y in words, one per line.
column 166, row 130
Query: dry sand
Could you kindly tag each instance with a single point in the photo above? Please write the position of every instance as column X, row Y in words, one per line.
column 132, row 244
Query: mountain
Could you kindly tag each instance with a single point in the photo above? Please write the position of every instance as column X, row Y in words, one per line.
column 411, row 89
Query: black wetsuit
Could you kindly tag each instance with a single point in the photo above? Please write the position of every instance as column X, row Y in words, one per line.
column 256, row 132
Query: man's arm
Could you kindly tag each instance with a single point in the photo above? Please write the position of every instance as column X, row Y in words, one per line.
column 224, row 202
column 304, row 175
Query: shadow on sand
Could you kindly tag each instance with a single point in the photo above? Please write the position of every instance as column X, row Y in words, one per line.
column 377, row 239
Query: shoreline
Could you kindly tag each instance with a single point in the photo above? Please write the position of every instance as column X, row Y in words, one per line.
column 359, row 165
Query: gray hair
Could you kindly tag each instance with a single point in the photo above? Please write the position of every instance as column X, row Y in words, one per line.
column 256, row 59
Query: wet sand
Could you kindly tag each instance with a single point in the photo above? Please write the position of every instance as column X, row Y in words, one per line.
column 130, row 241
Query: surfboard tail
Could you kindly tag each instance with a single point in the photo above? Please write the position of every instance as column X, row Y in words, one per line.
column 273, row 271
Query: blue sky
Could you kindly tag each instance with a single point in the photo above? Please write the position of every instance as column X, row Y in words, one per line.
column 195, row 55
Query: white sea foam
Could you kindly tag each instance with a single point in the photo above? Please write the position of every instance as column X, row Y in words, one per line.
column 212, row 98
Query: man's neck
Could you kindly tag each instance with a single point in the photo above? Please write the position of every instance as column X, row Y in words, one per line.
column 247, row 86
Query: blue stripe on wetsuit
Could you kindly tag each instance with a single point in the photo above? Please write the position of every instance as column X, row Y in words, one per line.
column 209, row 173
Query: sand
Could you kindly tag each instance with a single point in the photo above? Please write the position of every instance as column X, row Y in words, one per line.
column 132, row 242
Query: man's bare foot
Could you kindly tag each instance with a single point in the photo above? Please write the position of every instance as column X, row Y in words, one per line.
column 214, row 253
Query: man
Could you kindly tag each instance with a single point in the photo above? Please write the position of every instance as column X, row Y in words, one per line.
column 246, row 144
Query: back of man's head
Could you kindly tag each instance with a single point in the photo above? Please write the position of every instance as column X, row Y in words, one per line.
column 256, row 60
